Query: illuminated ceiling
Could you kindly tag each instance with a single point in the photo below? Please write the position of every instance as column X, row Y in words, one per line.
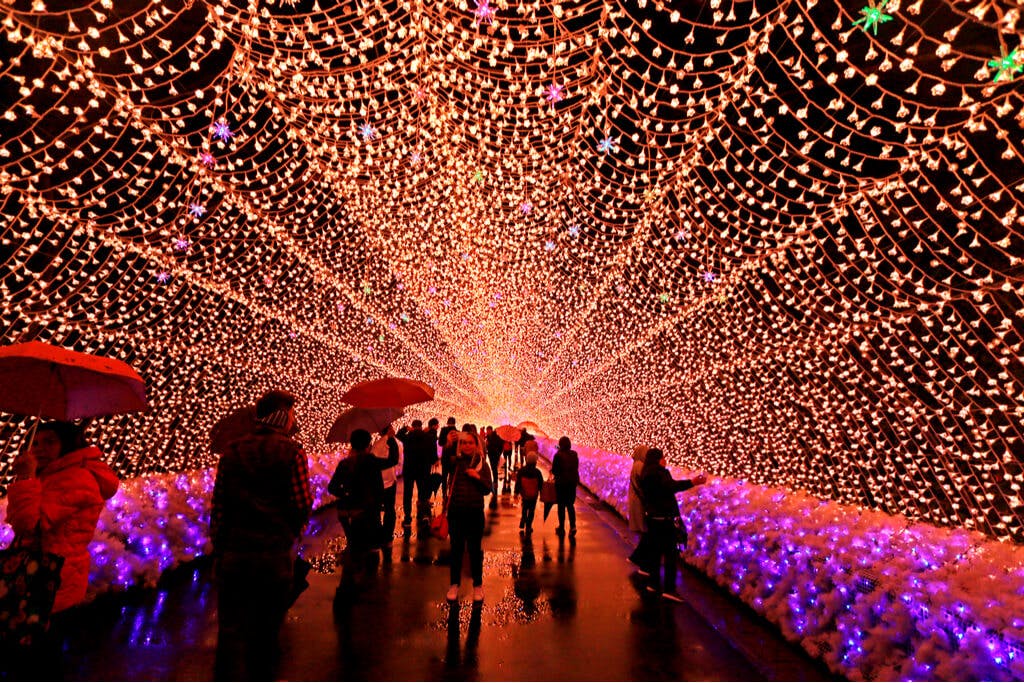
column 782, row 240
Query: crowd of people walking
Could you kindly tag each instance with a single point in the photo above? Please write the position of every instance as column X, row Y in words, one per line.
column 262, row 502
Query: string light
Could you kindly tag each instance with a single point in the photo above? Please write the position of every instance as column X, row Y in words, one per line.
column 854, row 194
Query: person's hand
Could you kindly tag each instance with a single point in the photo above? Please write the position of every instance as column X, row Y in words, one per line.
column 25, row 466
column 473, row 473
column 700, row 479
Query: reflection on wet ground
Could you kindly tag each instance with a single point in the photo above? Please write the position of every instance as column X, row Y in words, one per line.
column 555, row 609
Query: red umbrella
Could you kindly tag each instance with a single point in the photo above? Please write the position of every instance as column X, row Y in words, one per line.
column 509, row 433
column 532, row 428
column 389, row 392
column 371, row 419
column 49, row 381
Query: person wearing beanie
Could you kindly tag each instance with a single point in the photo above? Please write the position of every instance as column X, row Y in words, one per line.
column 529, row 481
column 565, row 467
column 664, row 524
column 261, row 503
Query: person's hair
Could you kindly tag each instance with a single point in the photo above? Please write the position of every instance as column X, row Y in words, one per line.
column 417, row 424
column 469, row 427
column 451, row 420
column 385, row 430
column 564, row 443
column 360, row 439
column 449, row 436
column 531, row 457
column 433, row 422
column 68, row 433
column 273, row 401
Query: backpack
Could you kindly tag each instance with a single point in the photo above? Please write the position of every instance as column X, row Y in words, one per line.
column 342, row 486
column 529, row 488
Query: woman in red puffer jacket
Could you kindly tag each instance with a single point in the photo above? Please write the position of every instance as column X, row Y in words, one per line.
column 61, row 486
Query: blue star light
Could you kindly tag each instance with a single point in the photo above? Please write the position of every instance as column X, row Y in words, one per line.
column 549, row 246
column 574, row 230
column 607, row 145
column 197, row 210
column 367, row 132
column 221, row 130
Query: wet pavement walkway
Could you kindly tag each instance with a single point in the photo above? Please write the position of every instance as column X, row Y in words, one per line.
column 555, row 609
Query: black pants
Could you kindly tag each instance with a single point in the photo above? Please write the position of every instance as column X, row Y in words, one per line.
column 662, row 546
column 251, row 604
column 466, row 528
column 387, row 534
column 493, row 461
column 422, row 496
column 529, row 509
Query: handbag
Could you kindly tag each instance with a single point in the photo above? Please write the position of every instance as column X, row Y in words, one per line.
column 29, row 580
column 548, row 492
column 439, row 523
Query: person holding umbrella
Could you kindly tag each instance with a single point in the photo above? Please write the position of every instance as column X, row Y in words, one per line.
column 471, row 481
column 60, row 488
column 261, row 502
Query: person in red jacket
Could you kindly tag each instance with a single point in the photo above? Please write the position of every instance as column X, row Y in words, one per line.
column 60, row 488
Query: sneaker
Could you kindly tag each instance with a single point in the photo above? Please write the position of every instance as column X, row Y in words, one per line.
column 478, row 593
column 559, row 531
column 453, row 593
column 641, row 572
column 672, row 596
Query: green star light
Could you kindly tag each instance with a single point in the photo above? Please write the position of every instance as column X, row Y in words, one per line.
column 1007, row 66
column 873, row 16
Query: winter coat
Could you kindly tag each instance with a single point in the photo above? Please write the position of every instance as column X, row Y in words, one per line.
column 637, row 523
column 529, row 472
column 261, row 499
column 357, row 483
column 469, row 492
column 65, row 500
column 565, row 467
column 659, row 492
column 420, row 454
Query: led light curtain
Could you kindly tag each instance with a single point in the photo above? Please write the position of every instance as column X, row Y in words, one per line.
column 781, row 239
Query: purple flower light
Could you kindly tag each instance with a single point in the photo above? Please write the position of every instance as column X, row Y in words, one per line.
column 484, row 13
column 554, row 93
column 163, row 277
column 221, row 130
column 207, row 159
column 182, row 244
column 709, row 276
column 525, row 208
column 197, row 210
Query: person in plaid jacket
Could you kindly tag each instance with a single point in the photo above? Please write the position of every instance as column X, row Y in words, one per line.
column 261, row 503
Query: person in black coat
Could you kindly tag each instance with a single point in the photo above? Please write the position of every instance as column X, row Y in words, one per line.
column 420, row 455
column 565, row 467
column 359, row 489
column 664, row 524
